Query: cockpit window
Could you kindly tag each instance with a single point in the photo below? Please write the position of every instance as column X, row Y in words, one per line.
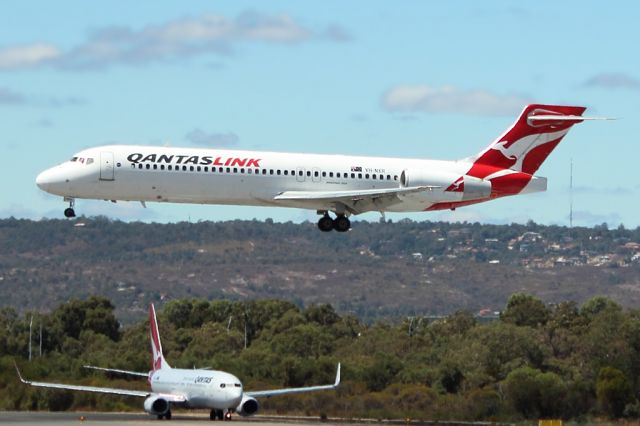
column 74, row 159
column 222, row 385
column 89, row 161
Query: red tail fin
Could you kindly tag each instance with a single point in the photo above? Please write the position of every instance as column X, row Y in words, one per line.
column 157, row 360
column 529, row 141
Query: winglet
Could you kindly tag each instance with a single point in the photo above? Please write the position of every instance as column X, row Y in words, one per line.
column 20, row 375
column 337, row 377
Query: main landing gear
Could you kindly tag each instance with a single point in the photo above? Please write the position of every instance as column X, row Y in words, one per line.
column 341, row 223
column 69, row 212
column 166, row 415
column 220, row 414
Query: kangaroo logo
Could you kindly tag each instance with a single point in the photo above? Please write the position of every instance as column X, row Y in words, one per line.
column 508, row 153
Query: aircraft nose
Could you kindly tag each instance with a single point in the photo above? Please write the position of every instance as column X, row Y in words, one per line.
column 43, row 180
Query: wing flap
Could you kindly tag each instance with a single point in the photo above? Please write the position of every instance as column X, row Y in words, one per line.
column 349, row 195
column 275, row 392
column 115, row 370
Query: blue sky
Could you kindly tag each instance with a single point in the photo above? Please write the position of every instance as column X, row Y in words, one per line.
column 318, row 77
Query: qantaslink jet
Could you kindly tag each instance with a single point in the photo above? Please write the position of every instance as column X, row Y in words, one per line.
column 218, row 391
column 340, row 184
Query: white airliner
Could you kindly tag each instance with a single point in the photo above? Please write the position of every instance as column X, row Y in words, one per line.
column 217, row 390
column 344, row 185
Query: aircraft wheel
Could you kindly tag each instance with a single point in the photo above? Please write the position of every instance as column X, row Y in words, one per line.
column 220, row 414
column 325, row 224
column 341, row 224
column 69, row 212
column 212, row 415
column 168, row 415
column 227, row 416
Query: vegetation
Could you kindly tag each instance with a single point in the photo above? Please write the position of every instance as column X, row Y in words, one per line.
column 536, row 360
column 376, row 271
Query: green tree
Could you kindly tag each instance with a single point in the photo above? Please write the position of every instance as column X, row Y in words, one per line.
column 525, row 310
column 613, row 391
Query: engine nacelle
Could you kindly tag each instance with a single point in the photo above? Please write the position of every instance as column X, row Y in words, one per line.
column 248, row 406
column 156, row 405
column 453, row 187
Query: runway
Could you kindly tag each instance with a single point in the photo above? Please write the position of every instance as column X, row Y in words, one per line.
column 22, row 418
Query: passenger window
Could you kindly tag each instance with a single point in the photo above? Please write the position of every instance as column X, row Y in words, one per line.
column 206, row 169
column 169, row 167
column 300, row 173
column 381, row 177
column 270, row 171
column 373, row 176
column 235, row 170
column 330, row 174
column 366, row 176
column 338, row 174
column 353, row 175
column 395, row 177
column 359, row 175
column 184, row 168
column 155, row 167
column 286, row 172
column 388, row 177
column 139, row 166
column 264, row 171
column 148, row 167
column 221, row 170
column 249, row 171
column 242, row 170
column 198, row 168
column 315, row 174
column 162, row 167
column 308, row 174
column 278, row 171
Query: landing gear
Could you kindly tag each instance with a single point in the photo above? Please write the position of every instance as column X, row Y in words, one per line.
column 69, row 212
column 341, row 223
column 325, row 224
column 166, row 415
column 219, row 415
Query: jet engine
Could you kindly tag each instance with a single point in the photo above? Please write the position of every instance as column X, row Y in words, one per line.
column 248, row 406
column 156, row 406
column 454, row 186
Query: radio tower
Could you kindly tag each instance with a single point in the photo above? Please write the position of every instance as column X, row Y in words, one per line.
column 571, row 194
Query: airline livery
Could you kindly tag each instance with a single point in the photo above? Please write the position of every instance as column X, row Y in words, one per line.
column 219, row 391
column 342, row 185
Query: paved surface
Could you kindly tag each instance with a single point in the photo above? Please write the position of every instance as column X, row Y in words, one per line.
column 119, row 419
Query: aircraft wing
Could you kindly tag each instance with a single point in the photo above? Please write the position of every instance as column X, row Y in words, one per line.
column 112, row 391
column 274, row 392
column 357, row 201
column 115, row 370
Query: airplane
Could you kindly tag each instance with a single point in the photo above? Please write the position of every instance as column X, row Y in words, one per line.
column 343, row 185
column 219, row 391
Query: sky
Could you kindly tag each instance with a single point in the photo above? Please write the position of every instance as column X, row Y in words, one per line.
column 413, row 79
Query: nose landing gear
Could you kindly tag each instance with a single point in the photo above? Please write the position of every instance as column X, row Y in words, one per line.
column 341, row 223
column 220, row 414
column 69, row 212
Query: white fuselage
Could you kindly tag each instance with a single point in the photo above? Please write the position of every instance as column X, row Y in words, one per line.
column 201, row 388
column 211, row 176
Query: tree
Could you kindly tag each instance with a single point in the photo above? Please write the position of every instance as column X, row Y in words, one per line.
column 525, row 310
column 613, row 391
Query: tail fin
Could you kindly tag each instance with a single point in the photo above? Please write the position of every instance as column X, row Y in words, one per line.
column 529, row 141
column 157, row 360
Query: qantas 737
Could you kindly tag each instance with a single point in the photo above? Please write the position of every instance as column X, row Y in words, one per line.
column 340, row 184
column 218, row 391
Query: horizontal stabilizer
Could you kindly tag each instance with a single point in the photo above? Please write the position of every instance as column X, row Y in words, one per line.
column 565, row 118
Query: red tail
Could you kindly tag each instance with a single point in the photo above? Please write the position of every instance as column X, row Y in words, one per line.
column 530, row 140
column 157, row 359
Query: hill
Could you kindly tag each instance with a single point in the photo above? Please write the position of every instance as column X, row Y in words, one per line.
column 377, row 270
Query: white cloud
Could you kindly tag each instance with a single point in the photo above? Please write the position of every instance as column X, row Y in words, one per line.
column 10, row 97
column 179, row 38
column 450, row 99
column 613, row 81
column 27, row 55
column 200, row 137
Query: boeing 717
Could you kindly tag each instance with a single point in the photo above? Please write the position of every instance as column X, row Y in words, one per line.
column 340, row 184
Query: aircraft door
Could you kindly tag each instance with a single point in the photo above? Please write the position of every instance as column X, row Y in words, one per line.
column 106, row 166
column 300, row 174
